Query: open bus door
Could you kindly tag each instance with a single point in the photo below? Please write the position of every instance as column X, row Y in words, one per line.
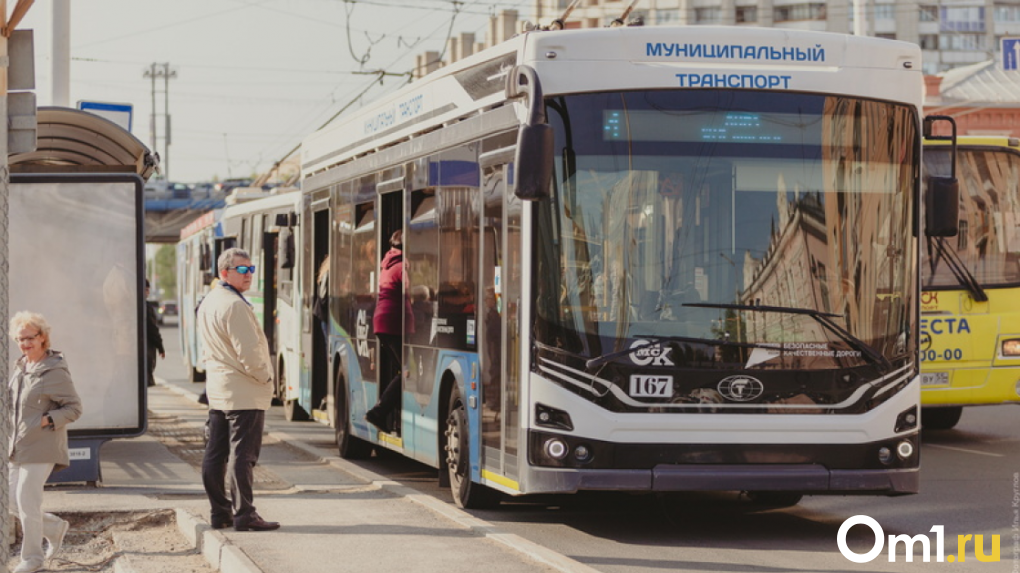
column 270, row 250
column 320, row 311
column 391, row 219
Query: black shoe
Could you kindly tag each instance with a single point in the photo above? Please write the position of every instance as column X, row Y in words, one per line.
column 377, row 419
column 221, row 522
column 203, row 399
column 256, row 523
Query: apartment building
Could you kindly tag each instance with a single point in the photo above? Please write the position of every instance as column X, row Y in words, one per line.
column 951, row 33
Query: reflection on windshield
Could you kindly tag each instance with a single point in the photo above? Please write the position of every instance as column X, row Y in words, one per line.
column 731, row 197
column 988, row 243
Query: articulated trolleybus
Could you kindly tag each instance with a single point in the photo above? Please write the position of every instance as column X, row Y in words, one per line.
column 649, row 259
column 970, row 307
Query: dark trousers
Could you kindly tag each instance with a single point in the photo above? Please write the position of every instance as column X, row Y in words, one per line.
column 389, row 377
column 235, row 440
column 151, row 355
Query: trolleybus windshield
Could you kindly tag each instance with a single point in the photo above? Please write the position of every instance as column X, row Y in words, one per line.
column 988, row 244
column 670, row 207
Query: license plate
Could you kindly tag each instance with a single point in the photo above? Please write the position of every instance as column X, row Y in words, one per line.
column 935, row 379
column 642, row 386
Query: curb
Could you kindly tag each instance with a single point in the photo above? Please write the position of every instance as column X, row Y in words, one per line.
column 220, row 553
column 213, row 545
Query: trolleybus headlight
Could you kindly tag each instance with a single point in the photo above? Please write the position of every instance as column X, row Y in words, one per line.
column 885, row 455
column 904, row 450
column 907, row 420
column 550, row 417
column 556, row 448
column 1011, row 347
column 582, row 453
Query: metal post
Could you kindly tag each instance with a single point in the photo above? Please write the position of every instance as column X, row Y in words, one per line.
column 860, row 25
column 62, row 53
column 5, row 189
column 151, row 73
column 167, row 74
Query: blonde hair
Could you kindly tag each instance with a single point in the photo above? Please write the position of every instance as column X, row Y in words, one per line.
column 29, row 319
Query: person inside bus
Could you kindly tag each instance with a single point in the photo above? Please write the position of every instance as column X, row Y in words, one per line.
column 392, row 308
column 320, row 308
column 421, row 308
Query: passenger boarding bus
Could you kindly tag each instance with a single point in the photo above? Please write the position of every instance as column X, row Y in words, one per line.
column 970, row 305
column 643, row 259
column 264, row 225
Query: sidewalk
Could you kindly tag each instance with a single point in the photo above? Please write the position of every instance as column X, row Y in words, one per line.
column 335, row 516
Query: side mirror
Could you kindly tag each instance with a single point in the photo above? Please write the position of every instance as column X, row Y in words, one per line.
column 534, row 161
column 942, row 207
column 534, row 156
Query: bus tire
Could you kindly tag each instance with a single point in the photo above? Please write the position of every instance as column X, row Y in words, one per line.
column 292, row 411
column 466, row 494
column 941, row 418
column 774, row 499
column 349, row 446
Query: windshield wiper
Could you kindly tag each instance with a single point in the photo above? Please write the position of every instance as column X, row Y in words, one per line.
column 822, row 318
column 957, row 267
column 657, row 340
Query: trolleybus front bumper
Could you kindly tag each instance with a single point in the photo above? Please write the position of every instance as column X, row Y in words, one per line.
column 809, row 479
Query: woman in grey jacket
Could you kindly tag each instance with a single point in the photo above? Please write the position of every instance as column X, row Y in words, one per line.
column 43, row 403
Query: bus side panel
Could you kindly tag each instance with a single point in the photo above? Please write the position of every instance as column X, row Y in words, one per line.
column 961, row 343
column 424, row 442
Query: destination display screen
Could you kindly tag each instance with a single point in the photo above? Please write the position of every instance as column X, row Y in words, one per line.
column 724, row 126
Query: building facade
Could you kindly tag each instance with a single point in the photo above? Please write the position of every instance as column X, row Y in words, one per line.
column 951, row 33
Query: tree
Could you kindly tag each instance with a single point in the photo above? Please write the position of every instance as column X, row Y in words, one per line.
column 166, row 271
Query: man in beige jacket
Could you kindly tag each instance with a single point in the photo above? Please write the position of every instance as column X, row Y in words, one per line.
column 239, row 383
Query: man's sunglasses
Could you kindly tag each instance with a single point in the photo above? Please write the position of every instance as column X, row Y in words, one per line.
column 244, row 269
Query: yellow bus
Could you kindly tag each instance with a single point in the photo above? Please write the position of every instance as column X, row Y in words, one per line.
column 970, row 304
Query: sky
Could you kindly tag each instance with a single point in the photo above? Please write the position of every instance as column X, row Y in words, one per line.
column 253, row 77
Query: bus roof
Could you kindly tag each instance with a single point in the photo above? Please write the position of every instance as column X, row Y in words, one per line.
column 627, row 58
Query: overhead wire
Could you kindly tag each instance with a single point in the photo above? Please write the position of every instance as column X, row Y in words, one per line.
column 457, row 10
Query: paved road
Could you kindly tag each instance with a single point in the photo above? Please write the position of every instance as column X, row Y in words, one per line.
column 969, row 481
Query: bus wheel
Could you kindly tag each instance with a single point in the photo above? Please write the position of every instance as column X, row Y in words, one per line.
column 350, row 447
column 774, row 499
column 292, row 411
column 466, row 493
column 940, row 418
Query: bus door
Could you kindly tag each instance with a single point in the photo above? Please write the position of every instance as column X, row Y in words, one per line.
column 497, row 332
column 320, row 310
column 391, row 219
column 222, row 244
column 269, row 292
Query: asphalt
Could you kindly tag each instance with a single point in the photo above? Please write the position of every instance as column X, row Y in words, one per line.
column 335, row 515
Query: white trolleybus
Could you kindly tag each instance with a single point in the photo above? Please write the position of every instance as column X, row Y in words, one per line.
column 648, row 259
column 266, row 225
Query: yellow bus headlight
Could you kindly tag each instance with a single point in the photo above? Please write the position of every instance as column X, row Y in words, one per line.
column 1011, row 347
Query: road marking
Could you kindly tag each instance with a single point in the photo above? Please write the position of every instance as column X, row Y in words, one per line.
column 965, row 450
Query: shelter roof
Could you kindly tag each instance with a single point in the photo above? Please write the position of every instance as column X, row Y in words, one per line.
column 71, row 140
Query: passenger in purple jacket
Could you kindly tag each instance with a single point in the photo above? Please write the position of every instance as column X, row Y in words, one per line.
column 391, row 312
